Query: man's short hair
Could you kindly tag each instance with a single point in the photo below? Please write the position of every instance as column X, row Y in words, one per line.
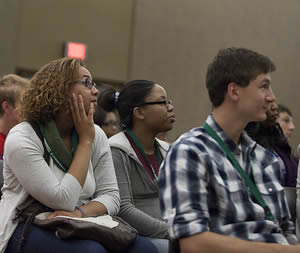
column 11, row 86
column 237, row 65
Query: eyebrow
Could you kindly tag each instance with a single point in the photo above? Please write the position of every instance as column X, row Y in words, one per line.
column 267, row 80
column 87, row 76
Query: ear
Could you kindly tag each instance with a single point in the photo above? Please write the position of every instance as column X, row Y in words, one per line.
column 138, row 113
column 5, row 106
column 233, row 91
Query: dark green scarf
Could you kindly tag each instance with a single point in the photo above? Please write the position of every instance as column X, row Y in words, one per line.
column 56, row 147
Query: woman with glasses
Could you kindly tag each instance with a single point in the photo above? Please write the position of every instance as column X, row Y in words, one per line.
column 107, row 121
column 145, row 111
column 77, row 179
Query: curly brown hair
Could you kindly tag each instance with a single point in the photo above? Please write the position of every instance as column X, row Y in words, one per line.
column 48, row 90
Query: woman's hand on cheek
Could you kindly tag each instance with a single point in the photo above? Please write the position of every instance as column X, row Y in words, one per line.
column 83, row 122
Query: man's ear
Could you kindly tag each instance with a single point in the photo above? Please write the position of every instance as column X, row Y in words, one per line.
column 5, row 106
column 233, row 91
column 138, row 113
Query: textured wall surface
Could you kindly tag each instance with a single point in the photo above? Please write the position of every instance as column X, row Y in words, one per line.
column 169, row 41
column 175, row 40
column 104, row 25
column 9, row 18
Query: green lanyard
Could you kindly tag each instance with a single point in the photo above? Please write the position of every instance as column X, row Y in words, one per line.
column 242, row 173
column 140, row 148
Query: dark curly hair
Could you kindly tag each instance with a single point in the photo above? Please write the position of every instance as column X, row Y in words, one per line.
column 48, row 90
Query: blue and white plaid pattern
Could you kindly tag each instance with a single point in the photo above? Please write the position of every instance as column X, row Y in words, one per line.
column 200, row 190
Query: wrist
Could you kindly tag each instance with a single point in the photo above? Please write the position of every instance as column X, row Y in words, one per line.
column 85, row 143
column 80, row 211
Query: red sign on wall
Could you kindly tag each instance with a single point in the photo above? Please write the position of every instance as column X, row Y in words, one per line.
column 75, row 50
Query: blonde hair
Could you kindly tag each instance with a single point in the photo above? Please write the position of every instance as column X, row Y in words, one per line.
column 48, row 90
column 11, row 87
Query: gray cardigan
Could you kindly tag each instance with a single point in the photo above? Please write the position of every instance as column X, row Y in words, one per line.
column 139, row 193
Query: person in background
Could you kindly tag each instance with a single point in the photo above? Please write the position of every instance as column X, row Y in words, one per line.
column 79, row 180
column 269, row 134
column 145, row 111
column 11, row 88
column 205, row 196
column 107, row 121
column 286, row 121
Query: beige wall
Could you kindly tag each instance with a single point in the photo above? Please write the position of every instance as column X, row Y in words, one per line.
column 104, row 25
column 174, row 41
column 9, row 18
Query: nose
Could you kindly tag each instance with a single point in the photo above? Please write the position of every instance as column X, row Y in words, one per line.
column 95, row 91
column 271, row 96
column 291, row 126
column 170, row 107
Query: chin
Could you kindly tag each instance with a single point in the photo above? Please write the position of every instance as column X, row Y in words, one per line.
column 261, row 117
column 169, row 127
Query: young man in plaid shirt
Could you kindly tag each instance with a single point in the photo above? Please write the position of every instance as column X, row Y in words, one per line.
column 208, row 205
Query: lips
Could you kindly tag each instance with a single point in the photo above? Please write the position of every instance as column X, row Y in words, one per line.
column 172, row 118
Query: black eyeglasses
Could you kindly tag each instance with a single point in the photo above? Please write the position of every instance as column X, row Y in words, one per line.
column 163, row 102
column 87, row 83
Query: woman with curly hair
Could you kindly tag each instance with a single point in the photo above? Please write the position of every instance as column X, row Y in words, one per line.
column 79, row 179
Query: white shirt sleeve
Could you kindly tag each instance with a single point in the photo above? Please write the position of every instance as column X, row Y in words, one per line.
column 24, row 158
column 107, row 191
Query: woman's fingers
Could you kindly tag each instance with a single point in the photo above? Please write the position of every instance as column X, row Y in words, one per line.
column 71, row 106
column 77, row 107
column 74, row 106
column 91, row 112
column 83, row 120
column 82, row 112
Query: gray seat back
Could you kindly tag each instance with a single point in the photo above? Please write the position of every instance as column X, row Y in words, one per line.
column 291, row 195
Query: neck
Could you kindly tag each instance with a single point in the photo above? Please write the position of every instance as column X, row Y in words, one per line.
column 4, row 126
column 231, row 123
column 146, row 138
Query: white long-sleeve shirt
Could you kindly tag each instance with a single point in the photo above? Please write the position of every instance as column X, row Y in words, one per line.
column 26, row 172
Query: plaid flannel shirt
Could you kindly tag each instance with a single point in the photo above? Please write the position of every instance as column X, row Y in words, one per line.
column 200, row 190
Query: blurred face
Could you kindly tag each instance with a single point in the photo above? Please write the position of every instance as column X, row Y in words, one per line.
column 286, row 123
column 256, row 98
column 272, row 114
column 157, row 110
column 111, row 124
column 84, row 86
column 12, row 116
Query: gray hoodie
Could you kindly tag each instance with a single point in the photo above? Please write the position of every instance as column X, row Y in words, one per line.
column 139, row 193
